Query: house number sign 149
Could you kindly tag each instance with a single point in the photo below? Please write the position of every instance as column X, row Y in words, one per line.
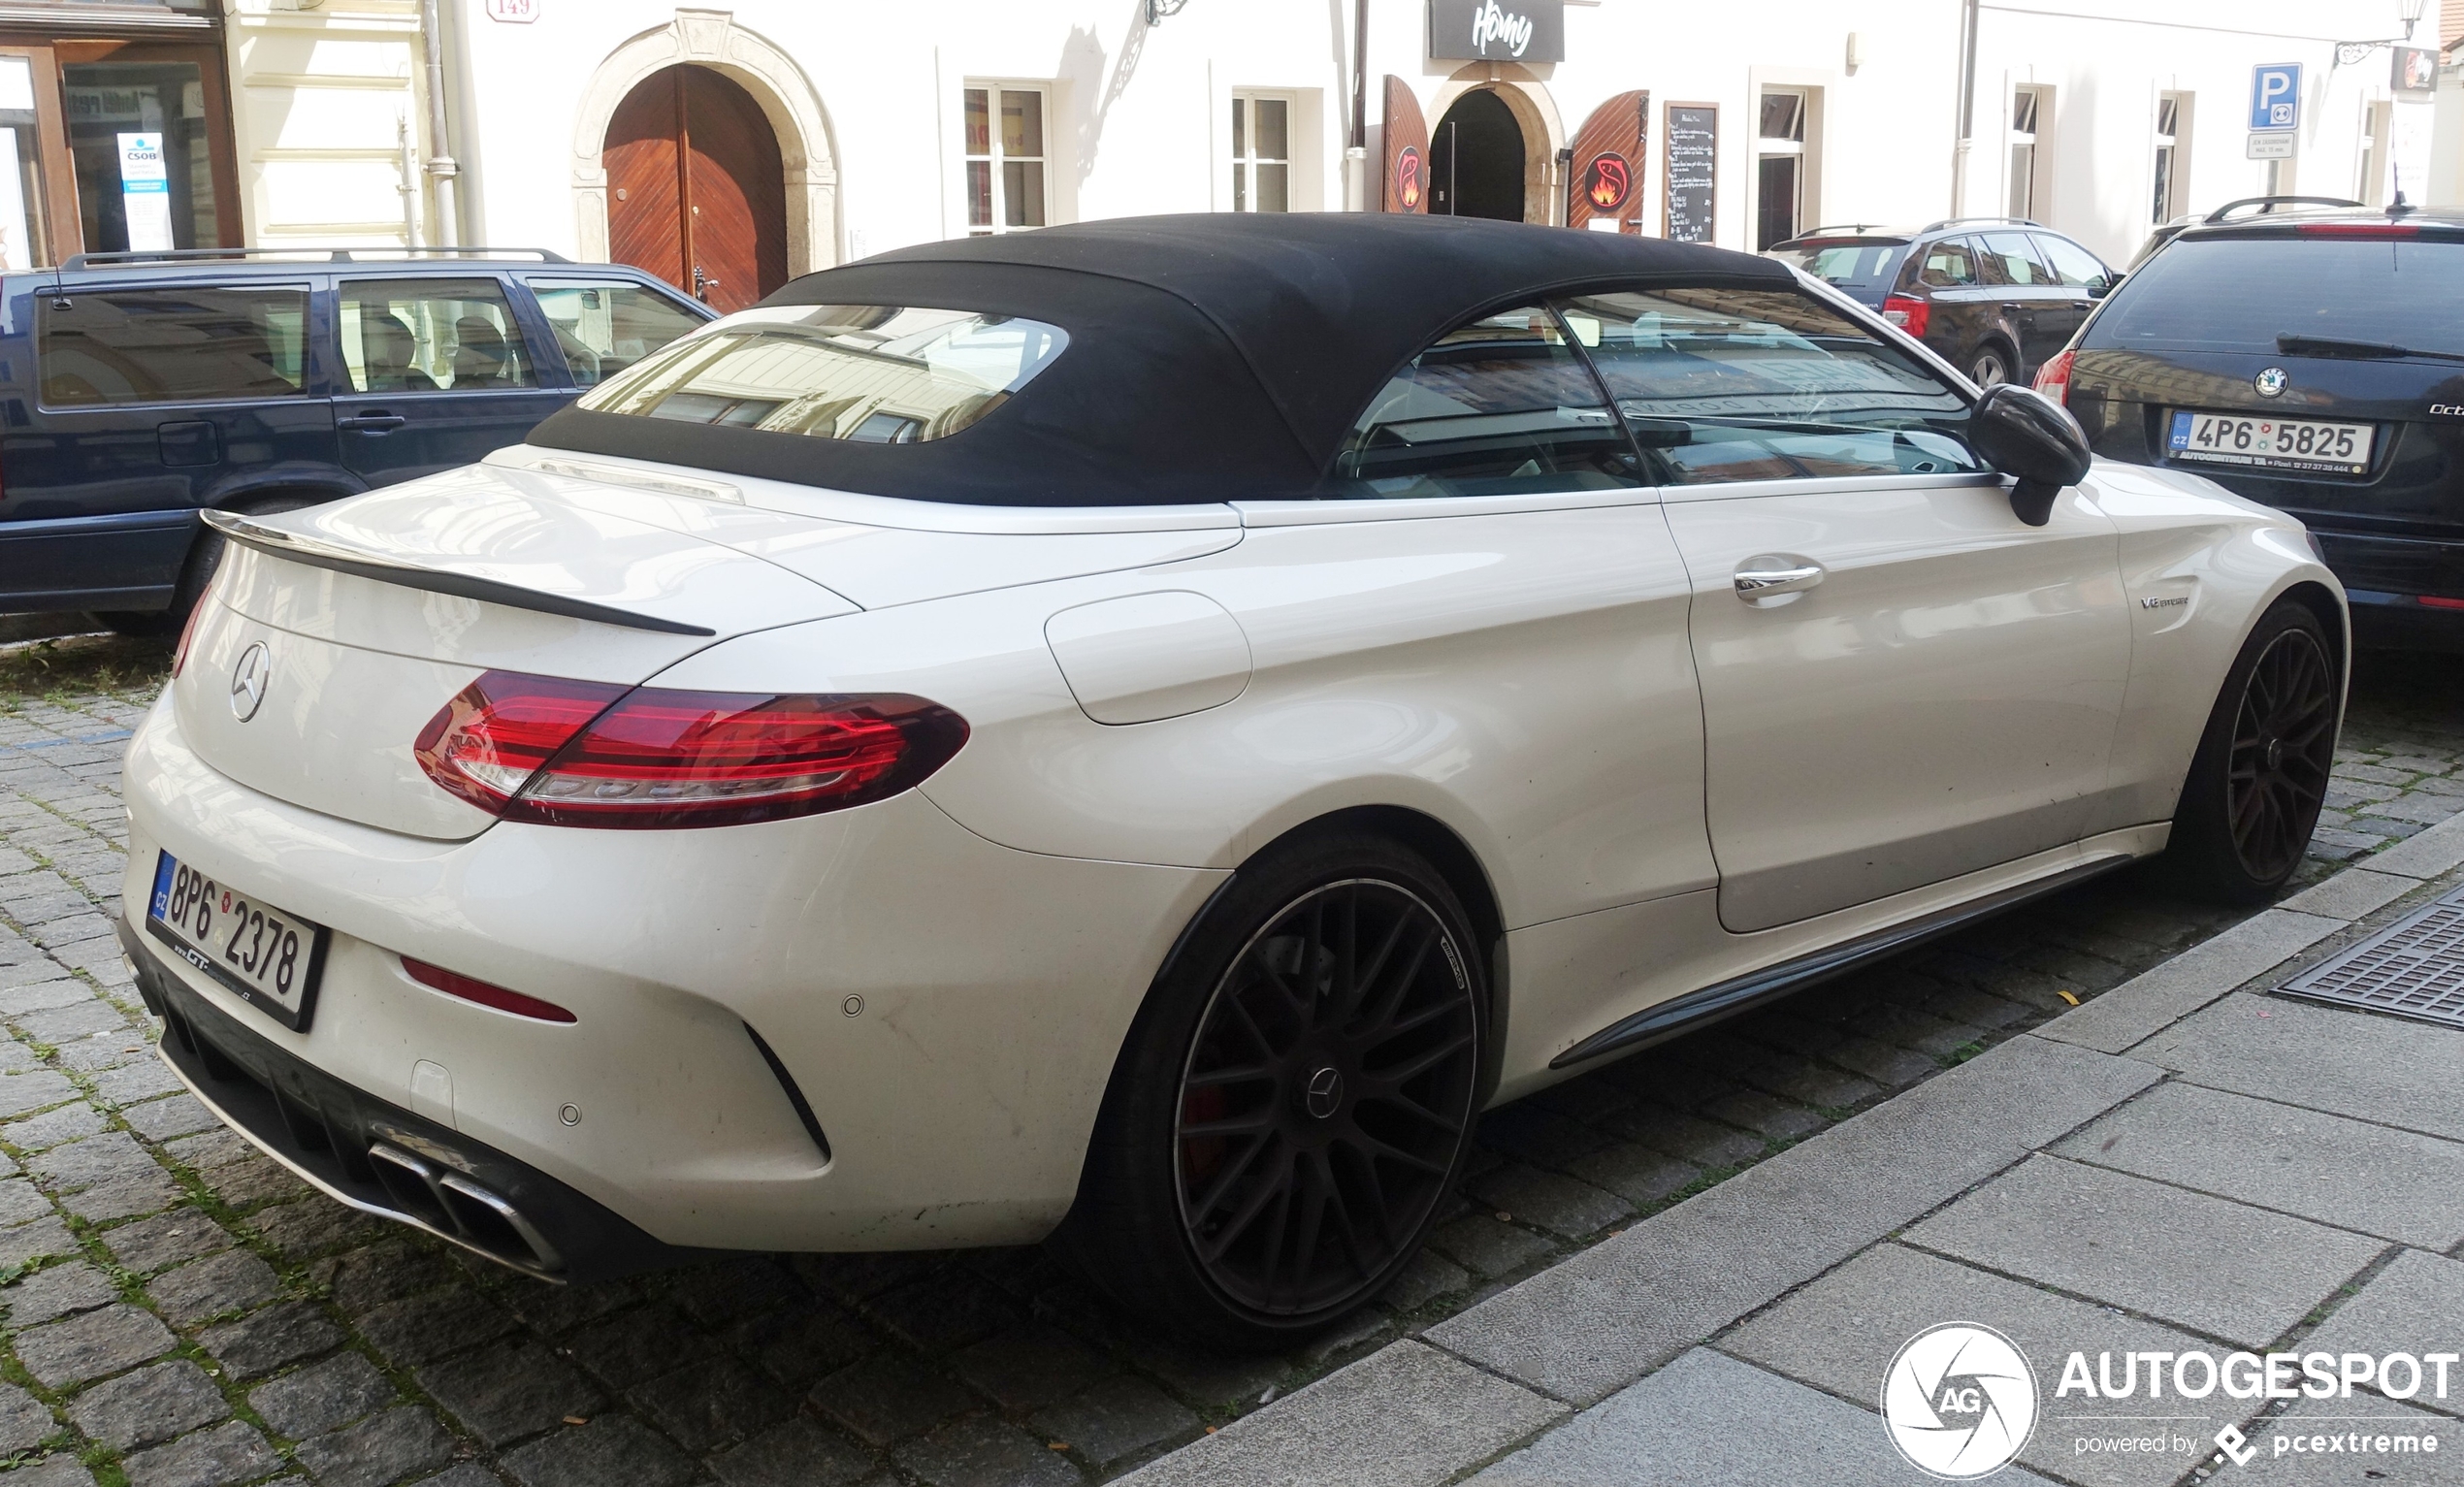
column 520, row 13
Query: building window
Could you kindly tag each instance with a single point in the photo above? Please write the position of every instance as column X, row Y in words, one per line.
column 2028, row 105
column 1005, row 158
column 2376, row 122
column 2172, row 155
column 1261, row 153
column 1780, row 185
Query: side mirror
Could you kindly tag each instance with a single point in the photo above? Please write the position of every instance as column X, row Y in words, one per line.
column 2024, row 434
column 2098, row 287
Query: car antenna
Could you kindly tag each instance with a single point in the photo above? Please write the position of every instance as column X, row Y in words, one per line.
column 2399, row 206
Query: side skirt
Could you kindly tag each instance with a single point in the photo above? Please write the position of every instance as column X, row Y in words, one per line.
column 1742, row 994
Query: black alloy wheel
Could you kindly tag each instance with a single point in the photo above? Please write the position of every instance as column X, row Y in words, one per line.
column 2284, row 746
column 1325, row 1098
column 2261, row 772
column 1294, row 1103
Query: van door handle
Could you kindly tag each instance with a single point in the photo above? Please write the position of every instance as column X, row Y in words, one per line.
column 371, row 423
column 1766, row 575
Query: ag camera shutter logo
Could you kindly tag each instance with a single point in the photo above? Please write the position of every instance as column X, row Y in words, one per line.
column 1960, row 1401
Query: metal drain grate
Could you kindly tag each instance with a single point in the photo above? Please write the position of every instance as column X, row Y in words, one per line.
column 2413, row 968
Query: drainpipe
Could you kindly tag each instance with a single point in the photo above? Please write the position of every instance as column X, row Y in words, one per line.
column 441, row 163
column 1967, row 107
column 1356, row 153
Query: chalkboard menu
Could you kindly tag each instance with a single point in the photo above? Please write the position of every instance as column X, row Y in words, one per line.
column 1694, row 141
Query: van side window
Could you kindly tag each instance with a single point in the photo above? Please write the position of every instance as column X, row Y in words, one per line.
column 605, row 325
column 430, row 335
column 1500, row 406
column 1767, row 384
column 172, row 346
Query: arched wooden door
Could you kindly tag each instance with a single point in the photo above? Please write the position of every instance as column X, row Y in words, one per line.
column 696, row 190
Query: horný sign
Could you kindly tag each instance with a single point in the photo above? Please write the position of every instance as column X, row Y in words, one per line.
column 1497, row 30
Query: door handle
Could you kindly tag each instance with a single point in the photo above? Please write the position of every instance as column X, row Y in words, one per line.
column 1767, row 575
column 2010, row 304
column 371, row 423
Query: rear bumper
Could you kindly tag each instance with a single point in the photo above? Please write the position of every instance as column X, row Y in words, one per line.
column 380, row 1158
column 129, row 560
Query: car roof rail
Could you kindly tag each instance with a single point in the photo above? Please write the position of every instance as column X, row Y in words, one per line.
column 1935, row 227
column 144, row 256
column 2268, row 204
column 1843, row 227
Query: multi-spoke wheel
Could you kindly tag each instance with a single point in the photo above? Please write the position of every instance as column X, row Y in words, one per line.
column 2254, row 790
column 1325, row 1098
column 1295, row 1103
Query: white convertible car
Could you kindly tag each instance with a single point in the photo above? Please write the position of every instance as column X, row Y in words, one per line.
column 1144, row 730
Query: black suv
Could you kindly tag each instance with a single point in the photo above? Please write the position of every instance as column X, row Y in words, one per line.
column 1993, row 295
column 142, row 388
column 2312, row 361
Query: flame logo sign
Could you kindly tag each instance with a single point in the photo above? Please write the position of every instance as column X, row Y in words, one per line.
column 1408, row 177
column 1608, row 181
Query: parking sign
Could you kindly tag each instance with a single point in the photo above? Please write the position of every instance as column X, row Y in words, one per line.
column 2276, row 96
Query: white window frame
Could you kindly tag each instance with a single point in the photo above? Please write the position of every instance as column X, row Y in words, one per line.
column 995, row 157
column 1767, row 147
column 2377, row 124
column 2028, row 200
column 1245, row 156
column 2171, row 158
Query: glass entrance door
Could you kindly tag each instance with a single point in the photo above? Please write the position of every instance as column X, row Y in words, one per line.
column 146, row 139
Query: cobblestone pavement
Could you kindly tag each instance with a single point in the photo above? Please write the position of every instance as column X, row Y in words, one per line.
column 182, row 1313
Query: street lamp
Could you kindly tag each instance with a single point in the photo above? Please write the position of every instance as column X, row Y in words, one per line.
column 2350, row 53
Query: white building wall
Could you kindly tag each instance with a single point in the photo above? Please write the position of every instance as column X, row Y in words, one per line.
column 1138, row 116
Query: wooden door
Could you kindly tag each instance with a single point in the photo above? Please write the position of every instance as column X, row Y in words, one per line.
column 1406, row 149
column 1606, row 181
column 696, row 191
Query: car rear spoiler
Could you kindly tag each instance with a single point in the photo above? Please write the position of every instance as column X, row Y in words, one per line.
column 319, row 553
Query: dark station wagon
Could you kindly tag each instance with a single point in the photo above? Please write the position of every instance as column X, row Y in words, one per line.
column 2314, row 361
column 140, row 389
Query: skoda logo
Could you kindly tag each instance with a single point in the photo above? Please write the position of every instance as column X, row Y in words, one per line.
column 1325, row 1093
column 2271, row 382
column 1960, row 1401
column 247, row 680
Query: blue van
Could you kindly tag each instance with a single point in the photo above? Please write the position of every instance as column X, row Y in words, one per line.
column 142, row 388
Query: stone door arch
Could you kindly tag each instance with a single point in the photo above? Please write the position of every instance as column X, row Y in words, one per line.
column 807, row 157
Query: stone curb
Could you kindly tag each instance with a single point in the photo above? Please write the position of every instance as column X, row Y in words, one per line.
column 1584, row 1329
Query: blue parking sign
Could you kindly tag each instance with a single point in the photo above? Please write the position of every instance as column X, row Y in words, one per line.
column 2276, row 96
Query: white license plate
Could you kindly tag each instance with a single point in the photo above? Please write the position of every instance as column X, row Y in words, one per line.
column 2271, row 443
column 269, row 956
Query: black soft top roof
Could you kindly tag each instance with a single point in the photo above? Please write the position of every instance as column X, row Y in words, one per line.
column 1212, row 357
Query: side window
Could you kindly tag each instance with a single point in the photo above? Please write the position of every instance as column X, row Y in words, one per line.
column 1500, row 406
column 1765, row 384
column 430, row 335
column 2072, row 265
column 1946, row 264
column 605, row 325
column 187, row 345
column 2010, row 258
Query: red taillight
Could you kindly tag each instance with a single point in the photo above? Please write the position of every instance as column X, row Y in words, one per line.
column 2358, row 230
column 1911, row 315
column 2052, row 380
column 454, row 984
column 585, row 754
column 2436, row 603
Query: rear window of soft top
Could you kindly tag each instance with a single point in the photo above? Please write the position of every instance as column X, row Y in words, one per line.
column 2239, row 294
column 865, row 373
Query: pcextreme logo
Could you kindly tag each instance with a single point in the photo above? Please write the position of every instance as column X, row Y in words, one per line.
column 1960, row 1401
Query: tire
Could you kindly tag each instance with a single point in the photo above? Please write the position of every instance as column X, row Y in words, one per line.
column 205, row 555
column 1990, row 367
column 2261, row 775
column 1270, row 1157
